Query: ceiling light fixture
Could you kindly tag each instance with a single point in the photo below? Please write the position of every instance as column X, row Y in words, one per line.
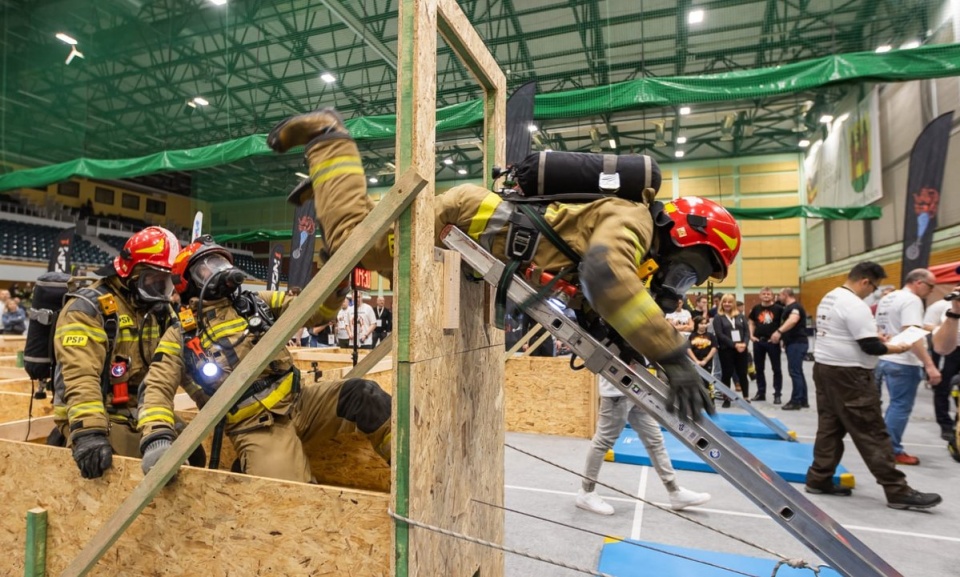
column 200, row 101
column 65, row 38
column 681, row 140
column 843, row 117
column 301, row 175
column 884, row 48
column 328, row 78
column 462, row 171
column 532, row 127
column 726, row 127
column 695, row 16
column 826, row 119
column 595, row 140
column 612, row 143
column 678, row 154
column 448, row 161
column 658, row 133
column 218, row 2
column 74, row 53
column 373, row 180
column 803, row 143
column 910, row 44
column 684, row 110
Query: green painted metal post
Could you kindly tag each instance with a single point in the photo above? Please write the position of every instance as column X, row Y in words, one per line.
column 35, row 559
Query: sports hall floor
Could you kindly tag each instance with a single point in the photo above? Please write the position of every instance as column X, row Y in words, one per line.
column 916, row 543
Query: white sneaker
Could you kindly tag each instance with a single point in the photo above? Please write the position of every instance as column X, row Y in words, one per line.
column 683, row 498
column 593, row 503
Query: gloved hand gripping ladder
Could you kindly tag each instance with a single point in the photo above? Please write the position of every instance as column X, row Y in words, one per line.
column 805, row 521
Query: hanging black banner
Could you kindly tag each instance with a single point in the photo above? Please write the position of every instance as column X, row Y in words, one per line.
column 273, row 268
column 301, row 245
column 519, row 118
column 927, row 160
column 60, row 252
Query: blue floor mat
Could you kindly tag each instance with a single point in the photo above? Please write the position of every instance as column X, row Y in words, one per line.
column 624, row 559
column 789, row 460
column 745, row 425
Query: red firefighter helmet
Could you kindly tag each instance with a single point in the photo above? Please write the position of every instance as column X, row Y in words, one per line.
column 154, row 246
column 190, row 255
column 701, row 222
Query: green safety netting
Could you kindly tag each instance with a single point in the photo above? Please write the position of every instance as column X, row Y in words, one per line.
column 254, row 236
column 924, row 62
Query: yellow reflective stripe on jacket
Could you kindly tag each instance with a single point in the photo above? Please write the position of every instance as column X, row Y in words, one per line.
column 80, row 329
column 479, row 221
column 83, row 409
column 336, row 166
column 168, row 348
column 59, row 412
column 156, row 414
column 216, row 332
column 637, row 245
column 252, row 406
column 276, row 300
column 635, row 313
column 127, row 335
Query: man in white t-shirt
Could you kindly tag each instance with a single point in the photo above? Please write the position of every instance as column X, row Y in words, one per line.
column 846, row 351
column 903, row 372
column 615, row 410
column 949, row 366
column 344, row 325
column 368, row 323
column 681, row 319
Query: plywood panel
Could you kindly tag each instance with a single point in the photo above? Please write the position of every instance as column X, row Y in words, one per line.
column 787, row 226
column 12, row 343
column 8, row 360
column 784, row 166
column 204, row 523
column 719, row 169
column 779, row 200
column 707, row 186
column 765, row 183
column 778, row 272
column 770, row 247
column 543, row 395
column 15, row 406
column 22, row 385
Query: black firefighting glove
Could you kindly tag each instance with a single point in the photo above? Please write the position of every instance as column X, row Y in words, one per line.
column 93, row 453
column 687, row 393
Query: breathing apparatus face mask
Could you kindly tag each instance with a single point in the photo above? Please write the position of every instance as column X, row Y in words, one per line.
column 215, row 276
column 681, row 270
column 152, row 285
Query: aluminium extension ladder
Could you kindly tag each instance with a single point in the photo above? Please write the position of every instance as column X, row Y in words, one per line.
column 777, row 498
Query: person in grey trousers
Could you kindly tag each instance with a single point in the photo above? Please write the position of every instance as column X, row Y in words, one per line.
column 615, row 411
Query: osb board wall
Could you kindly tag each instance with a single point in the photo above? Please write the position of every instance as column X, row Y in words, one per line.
column 347, row 460
column 22, row 385
column 205, row 523
column 16, row 406
column 8, row 360
column 12, row 343
column 544, row 395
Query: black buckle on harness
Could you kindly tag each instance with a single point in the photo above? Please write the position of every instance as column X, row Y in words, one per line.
column 522, row 238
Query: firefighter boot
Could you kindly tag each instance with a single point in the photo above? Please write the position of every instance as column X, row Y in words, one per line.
column 303, row 128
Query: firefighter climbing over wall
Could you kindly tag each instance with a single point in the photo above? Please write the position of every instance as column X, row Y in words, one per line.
column 607, row 245
column 276, row 414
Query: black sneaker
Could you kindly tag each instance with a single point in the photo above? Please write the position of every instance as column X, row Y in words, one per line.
column 776, row 400
column 835, row 490
column 726, row 404
column 914, row 500
column 791, row 406
column 946, row 435
column 804, row 405
column 759, row 397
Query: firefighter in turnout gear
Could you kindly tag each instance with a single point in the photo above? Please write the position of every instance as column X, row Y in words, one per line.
column 117, row 345
column 688, row 240
column 276, row 414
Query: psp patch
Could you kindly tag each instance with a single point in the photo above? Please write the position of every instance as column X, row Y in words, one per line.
column 75, row 341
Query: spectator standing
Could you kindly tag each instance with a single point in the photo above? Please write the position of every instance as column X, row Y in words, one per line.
column 384, row 318
column 368, row 324
column 681, row 319
column 765, row 318
column 344, row 325
column 615, row 411
column 702, row 310
column 732, row 334
column 846, row 350
column 949, row 366
column 324, row 335
column 793, row 336
column 703, row 346
column 14, row 318
column 902, row 372
column 717, row 297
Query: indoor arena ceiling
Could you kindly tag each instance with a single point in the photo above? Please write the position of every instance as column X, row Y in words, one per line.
column 176, row 74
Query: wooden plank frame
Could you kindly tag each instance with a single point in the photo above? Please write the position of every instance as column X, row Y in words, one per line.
column 448, row 399
column 339, row 266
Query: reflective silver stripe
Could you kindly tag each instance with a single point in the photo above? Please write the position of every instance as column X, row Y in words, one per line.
column 37, row 359
column 647, row 169
column 496, row 222
column 540, row 170
column 609, row 164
